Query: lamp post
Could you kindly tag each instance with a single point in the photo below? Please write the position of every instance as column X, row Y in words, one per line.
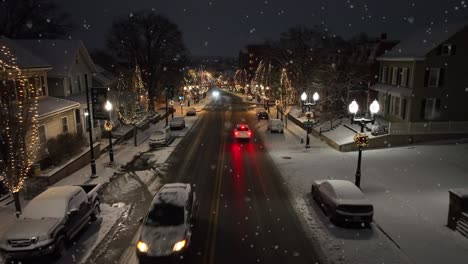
column 108, row 127
column 361, row 138
column 303, row 98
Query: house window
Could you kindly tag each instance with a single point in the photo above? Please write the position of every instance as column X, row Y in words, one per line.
column 404, row 77
column 431, row 108
column 64, row 124
column 70, row 87
column 446, row 49
column 78, row 79
column 434, row 74
column 384, row 74
column 42, row 134
column 394, row 76
column 43, row 87
column 404, row 106
column 396, row 106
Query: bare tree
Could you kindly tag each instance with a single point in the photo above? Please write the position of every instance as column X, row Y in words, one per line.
column 33, row 19
column 18, row 123
column 155, row 44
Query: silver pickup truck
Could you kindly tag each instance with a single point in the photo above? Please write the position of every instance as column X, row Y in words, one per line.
column 49, row 221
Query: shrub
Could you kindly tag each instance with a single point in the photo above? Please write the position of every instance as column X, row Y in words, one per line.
column 62, row 148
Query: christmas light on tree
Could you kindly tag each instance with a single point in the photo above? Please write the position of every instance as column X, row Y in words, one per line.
column 18, row 122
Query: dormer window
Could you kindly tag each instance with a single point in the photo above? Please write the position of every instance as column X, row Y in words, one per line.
column 447, row 49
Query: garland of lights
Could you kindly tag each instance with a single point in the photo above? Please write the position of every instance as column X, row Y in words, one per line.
column 132, row 87
column 19, row 121
column 361, row 140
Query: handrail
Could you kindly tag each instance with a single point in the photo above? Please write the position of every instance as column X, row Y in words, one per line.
column 340, row 117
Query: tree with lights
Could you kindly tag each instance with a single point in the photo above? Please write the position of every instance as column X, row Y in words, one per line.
column 18, row 124
column 132, row 102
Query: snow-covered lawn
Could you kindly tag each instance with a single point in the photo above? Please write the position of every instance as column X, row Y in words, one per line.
column 407, row 185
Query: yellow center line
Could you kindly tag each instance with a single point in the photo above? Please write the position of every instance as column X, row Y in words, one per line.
column 214, row 208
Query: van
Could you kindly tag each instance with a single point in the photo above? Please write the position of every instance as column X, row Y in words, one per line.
column 160, row 137
column 275, row 125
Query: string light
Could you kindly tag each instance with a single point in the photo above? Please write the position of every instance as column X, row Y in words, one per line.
column 134, row 89
column 19, row 121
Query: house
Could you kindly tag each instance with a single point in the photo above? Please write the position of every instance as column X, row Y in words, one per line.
column 424, row 77
column 56, row 116
column 71, row 74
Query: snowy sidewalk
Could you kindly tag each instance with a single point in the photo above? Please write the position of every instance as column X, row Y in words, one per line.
column 408, row 187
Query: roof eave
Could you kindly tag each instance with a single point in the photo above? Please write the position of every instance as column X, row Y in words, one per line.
column 61, row 110
column 400, row 58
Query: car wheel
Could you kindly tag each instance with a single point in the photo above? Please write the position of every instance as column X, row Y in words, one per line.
column 60, row 247
column 96, row 212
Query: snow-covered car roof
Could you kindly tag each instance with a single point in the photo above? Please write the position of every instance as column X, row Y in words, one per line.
column 345, row 189
column 173, row 193
column 51, row 203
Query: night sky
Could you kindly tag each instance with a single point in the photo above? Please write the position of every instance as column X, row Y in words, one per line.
column 224, row 27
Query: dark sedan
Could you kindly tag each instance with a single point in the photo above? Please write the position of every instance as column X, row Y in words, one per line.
column 343, row 202
column 262, row 115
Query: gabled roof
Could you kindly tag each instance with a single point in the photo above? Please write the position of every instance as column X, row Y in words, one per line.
column 422, row 42
column 104, row 77
column 60, row 53
column 48, row 105
column 24, row 58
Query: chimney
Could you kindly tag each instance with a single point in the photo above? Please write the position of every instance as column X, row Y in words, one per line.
column 383, row 36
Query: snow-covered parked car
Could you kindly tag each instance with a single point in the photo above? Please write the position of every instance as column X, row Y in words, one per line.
column 166, row 229
column 191, row 111
column 160, row 137
column 50, row 220
column 342, row 201
column 178, row 122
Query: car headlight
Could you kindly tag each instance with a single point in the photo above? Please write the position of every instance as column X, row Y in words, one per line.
column 179, row 245
column 142, row 247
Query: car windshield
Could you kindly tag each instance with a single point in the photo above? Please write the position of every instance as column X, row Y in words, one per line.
column 165, row 215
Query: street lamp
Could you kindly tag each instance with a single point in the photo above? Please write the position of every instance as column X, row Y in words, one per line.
column 363, row 121
column 303, row 98
column 108, row 127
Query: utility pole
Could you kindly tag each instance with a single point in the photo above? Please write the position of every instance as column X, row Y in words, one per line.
column 90, row 131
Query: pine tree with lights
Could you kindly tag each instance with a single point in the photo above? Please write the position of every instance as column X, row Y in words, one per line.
column 18, row 124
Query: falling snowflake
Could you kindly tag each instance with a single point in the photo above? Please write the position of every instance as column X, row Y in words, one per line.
column 130, row 15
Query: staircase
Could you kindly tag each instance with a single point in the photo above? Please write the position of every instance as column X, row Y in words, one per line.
column 6, row 200
column 462, row 225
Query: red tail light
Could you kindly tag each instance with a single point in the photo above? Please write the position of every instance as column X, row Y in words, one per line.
column 250, row 133
column 236, row 132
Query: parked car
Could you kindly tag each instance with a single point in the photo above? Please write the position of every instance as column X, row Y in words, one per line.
column 242, row 131
column 262, row 114
column 160, row 137
column 50, row 220
column 191, row 111
column 167, row 227
column 342, row 201
column 275, row 125
column 178, row 122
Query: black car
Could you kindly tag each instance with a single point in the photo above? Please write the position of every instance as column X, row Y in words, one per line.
column 262, row 115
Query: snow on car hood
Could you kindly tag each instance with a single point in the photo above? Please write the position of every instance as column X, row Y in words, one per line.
column 29, row 228
column 161, row 239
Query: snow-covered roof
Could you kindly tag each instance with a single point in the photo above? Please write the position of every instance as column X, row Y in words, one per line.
column 422, row 42
column 173, row 193
column 51, row 203
column 60, row 53
column 24, row 58
column 104, row 77
column 48, row 105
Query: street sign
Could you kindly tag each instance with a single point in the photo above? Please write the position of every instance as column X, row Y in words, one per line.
column 98, row 100
column 171, row 102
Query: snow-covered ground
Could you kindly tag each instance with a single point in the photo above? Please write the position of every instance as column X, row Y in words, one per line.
column 407, row 185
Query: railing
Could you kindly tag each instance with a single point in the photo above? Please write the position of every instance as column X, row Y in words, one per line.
column 450, row 127
column 330, row 125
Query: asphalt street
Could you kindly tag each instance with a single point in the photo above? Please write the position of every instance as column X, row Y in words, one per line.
column 244, row 211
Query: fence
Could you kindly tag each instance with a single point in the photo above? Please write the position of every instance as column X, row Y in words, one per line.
column 330, row 125
column 450, row 127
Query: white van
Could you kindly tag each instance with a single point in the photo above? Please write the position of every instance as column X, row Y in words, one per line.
column 275, row 125
column 160, row 137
